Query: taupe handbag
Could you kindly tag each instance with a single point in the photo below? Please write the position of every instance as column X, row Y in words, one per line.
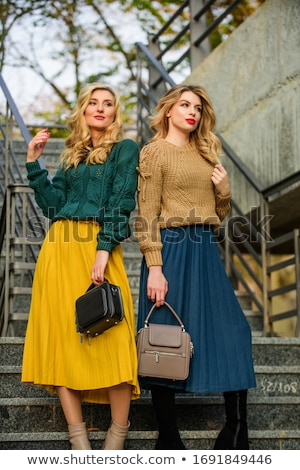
column 164, row 351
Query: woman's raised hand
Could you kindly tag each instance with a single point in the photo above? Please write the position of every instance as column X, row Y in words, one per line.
column 36, row 145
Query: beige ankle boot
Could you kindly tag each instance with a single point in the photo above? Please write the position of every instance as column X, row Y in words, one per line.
column 115, row 437
column 78, row 437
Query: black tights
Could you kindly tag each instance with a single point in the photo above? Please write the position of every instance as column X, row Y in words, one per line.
column 163, row 399
column 234, row 434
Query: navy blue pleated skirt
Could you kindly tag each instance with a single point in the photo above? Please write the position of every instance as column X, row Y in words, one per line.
column 202, row 295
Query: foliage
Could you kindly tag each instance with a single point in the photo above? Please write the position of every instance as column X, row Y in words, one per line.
column 68, row 43
column 239, row 14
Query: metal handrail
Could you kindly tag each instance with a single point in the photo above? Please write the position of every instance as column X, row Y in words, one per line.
column 13, row 176
column 154, row 62
column 214, row 23
column 16, row 114
column 265, row 248
column 15, row 111
column 171, row 20
column 240, row 165
column 286, row 182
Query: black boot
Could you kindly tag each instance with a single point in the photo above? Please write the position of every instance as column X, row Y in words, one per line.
column 234, row 435
column 163, row 399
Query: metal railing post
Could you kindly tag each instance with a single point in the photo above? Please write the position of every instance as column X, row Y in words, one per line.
column 160, row 89
column 6, row 143
column 264, row 265
column 198, row 26
column 7, row 260
column 227, row 249
column 297, row 269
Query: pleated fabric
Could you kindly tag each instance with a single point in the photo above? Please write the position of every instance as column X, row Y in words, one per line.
column 200, row 292
column 54, row 353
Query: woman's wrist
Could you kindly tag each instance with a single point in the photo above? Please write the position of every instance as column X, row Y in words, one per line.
column 30, row 158
column 155, row 268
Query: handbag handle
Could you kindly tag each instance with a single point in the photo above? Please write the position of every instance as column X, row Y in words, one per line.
column 146, row 324
column 92, row 286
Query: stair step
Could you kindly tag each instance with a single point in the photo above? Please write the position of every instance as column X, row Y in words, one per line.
column 255, row 321
column 244, row 300
column 18, row 316
column 19, row 291
column 16, row 265
column 273, row 407
column 45, row 414
column 281, row 381
column 276, row 351
column 141, row 440
column 273, row 351
column 25, row 241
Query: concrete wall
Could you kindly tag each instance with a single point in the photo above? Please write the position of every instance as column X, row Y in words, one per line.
column 253, row 79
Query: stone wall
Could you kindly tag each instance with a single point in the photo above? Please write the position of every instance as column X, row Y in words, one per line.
column 253, row 79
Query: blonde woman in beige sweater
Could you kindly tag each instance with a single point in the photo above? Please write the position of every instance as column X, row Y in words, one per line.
column 183, row 196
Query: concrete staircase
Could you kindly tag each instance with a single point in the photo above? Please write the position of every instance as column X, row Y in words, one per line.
column 31, row 418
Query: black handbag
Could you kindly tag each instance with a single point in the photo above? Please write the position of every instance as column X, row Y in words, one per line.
column 100, row 308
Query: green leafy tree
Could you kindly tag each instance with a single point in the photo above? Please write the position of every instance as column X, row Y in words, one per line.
column 70, row 42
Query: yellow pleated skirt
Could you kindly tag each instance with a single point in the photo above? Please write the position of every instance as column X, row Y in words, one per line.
column 55, row 354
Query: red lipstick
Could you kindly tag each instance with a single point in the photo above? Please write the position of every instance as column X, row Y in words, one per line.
column 191, row 121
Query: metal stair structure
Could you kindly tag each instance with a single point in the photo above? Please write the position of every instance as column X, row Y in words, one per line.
column 32, row 419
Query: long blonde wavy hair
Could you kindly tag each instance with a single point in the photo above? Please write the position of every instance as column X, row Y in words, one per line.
column 78, row 144
column 203, row 137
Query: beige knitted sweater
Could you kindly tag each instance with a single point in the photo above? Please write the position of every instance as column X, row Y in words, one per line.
column 174, row 189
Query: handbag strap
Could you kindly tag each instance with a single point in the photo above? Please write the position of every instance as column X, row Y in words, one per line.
column 170, row 308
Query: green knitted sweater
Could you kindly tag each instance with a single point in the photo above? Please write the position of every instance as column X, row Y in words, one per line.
column 104, row 193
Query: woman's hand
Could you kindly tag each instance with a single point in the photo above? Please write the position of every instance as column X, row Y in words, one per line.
column 157, row 285
column 220, row 179
column 99, row 266
column 36, row 145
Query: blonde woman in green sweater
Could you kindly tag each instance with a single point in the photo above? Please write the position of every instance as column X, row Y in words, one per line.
column 183, row 196
column 89, row 202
